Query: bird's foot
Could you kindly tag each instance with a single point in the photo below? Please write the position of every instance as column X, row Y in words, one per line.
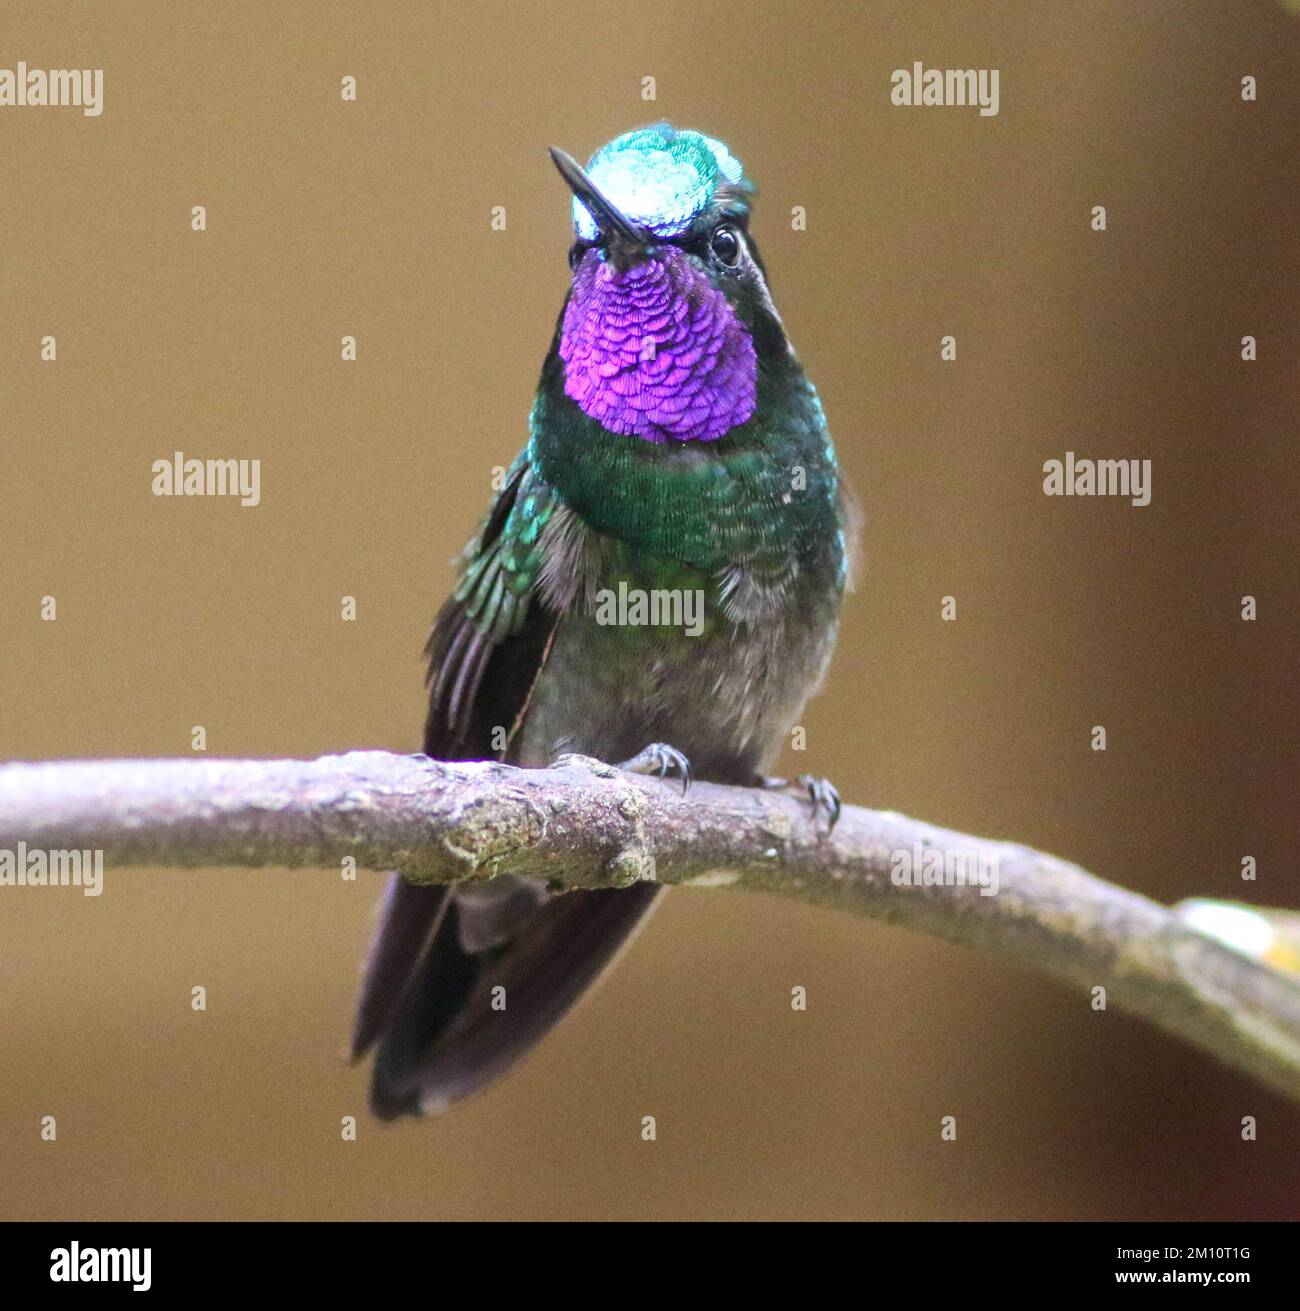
column 661, row 759
column 821, row 792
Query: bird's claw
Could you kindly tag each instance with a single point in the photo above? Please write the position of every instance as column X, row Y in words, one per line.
column 821, row 792
column 661, row 759
column 824, row 797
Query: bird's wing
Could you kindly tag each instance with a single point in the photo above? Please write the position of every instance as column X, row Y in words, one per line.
column 462, row 982
column 490, row 639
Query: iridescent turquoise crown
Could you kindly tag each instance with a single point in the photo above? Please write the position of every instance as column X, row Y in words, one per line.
column 662, row 179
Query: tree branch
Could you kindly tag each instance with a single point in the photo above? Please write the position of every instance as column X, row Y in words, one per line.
column 581, row 824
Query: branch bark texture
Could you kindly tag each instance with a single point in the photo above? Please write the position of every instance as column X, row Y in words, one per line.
column 582, row 824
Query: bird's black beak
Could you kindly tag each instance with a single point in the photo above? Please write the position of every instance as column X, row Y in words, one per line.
column 625, row 239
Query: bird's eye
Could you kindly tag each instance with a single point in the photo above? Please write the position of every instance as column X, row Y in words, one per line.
column 725, row 245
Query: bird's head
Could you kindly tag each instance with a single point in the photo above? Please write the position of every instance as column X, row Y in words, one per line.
column 669, row 318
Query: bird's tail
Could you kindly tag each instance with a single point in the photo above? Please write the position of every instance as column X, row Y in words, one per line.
column 462, row 982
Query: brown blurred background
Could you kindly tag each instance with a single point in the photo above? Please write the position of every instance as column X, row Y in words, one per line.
column 326, row 218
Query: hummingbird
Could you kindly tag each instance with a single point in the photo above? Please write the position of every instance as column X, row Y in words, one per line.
column 676, row 450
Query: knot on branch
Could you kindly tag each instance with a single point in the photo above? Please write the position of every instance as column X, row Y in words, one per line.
column 487, row 830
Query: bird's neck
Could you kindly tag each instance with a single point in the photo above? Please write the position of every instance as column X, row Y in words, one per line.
column 694, row 501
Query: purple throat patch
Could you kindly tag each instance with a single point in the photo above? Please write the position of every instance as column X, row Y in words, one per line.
column 656, row 352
